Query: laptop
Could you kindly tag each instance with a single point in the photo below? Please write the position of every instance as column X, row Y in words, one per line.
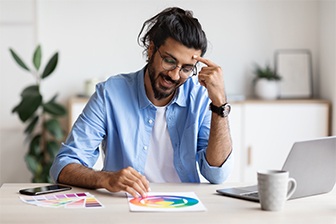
column 311, row 163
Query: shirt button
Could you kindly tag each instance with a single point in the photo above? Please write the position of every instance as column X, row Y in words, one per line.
column 145, row 147
column 150, row 121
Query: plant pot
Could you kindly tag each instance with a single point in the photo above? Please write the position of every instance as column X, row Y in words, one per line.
column 267, row 89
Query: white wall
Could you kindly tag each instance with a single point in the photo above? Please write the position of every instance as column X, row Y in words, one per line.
column 102, row 36
column 98, row 39
column 327, row 56
column 17, row 30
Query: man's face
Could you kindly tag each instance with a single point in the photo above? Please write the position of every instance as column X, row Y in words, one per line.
column 163, row 82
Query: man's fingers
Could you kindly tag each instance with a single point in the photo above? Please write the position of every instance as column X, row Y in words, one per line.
column 142, row 178
column 136, row 181
column 204, row 61
column 128, row 180
column 135, row 186
column 131, row 191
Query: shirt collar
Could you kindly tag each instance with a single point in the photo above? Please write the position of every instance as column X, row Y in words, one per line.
column 179, row 98
column 142, row 96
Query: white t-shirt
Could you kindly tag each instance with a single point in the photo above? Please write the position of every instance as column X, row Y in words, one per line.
column 159, row 166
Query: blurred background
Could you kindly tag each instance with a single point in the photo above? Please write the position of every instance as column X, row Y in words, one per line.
column 98, row 38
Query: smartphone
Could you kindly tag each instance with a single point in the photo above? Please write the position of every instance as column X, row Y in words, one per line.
column 44, row 189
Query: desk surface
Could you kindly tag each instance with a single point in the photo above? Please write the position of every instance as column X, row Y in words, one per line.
column 220, row 209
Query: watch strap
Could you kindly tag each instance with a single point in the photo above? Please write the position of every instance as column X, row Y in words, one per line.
column 223, row 110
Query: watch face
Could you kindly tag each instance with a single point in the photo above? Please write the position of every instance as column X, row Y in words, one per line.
column 227, row 109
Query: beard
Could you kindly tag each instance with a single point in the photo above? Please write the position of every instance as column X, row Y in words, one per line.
column 161, row 92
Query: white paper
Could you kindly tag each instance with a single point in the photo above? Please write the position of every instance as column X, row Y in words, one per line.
column 166, row 202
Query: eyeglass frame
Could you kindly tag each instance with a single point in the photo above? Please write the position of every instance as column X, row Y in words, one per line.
column 194, row 69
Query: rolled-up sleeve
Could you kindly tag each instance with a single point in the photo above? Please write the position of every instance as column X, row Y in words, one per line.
column 216, row 175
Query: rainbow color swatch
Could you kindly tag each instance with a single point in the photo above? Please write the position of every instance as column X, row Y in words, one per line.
column 164, row 201
column 75, row 200
column 183, row 201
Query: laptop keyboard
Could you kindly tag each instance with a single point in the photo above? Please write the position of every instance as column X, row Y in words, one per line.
column 251, row 194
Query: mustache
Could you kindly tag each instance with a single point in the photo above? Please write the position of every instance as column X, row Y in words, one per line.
column 166, row 77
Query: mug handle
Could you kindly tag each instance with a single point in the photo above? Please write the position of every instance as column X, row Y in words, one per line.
column 292, row 187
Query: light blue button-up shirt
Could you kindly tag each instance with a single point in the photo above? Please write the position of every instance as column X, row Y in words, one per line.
column 120, row 115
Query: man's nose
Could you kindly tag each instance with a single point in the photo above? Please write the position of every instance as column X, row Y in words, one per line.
column 175, row 73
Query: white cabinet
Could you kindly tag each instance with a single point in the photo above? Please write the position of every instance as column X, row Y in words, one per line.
column 263, row 132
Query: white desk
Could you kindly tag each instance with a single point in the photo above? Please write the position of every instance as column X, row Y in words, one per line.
column 220, row 209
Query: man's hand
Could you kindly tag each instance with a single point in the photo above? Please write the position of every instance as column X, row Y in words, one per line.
column 127, row 179
column 211, row 77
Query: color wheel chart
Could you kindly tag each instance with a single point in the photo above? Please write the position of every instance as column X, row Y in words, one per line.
column 166, row 202
column 75, row 200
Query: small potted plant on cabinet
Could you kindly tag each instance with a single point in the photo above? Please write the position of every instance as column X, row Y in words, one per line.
column 266, row 83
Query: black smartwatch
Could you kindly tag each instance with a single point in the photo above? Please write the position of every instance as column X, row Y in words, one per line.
column 223, row 110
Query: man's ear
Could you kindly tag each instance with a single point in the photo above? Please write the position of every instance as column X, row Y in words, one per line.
column 151, row 49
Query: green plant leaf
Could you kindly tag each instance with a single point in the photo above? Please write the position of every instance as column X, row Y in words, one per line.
column 18, row 60
column 54, row 98
column 37, row 57
column 31, row 163
column 52, row 148
column 266, row 73
column 54, row 128
column 50, row 66
column 30, row 90
column 40, row 157
column 45, row 173
column 28, row 106
column 34, row 147
column 54, row 109
column 16, row 108
column 38, row 173
column 49, row 180
column 31, row 125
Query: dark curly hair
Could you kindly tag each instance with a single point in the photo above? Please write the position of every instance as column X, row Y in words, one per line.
column 177, row 24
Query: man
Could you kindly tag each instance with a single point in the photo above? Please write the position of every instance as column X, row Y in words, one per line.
column 154, row 124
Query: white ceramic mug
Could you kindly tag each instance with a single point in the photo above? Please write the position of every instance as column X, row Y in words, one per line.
column 275, row 187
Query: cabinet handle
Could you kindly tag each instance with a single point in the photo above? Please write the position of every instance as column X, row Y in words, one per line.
column 249, row 156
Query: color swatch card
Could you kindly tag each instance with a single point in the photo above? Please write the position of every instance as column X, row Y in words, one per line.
column 166, row 202
column 75, row 200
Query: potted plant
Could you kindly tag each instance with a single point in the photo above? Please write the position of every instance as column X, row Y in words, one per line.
column 43, row 130
column 266, row 83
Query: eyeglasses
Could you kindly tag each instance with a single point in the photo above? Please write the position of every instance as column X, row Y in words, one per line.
column 169, row 64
